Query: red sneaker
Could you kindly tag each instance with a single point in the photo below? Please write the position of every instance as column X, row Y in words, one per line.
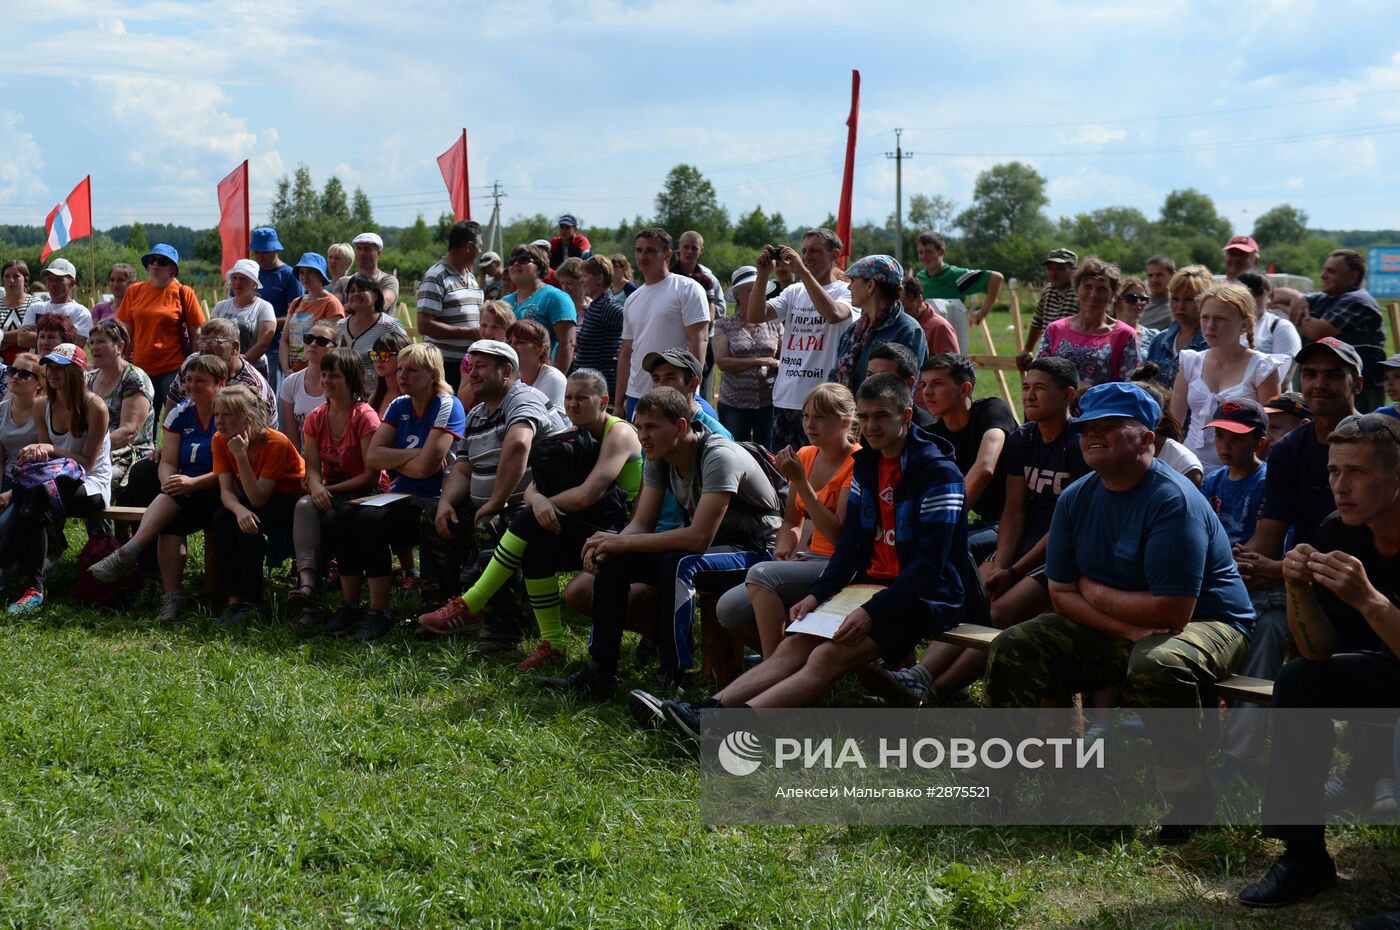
column 544, row 654
column 452, row 617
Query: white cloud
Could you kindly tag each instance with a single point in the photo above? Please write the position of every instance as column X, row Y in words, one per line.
column 20, row 168
column 1098, row 135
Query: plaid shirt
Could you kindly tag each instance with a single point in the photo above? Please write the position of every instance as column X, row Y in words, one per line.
column 1359, row 322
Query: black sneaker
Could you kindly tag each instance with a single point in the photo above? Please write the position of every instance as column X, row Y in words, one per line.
column 683, row 718
column 587, row 681
column 1291, row 879
column 344, row 621
column 375, row 625
column 645, row 708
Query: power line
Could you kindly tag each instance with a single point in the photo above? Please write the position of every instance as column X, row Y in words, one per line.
column 1383, row 129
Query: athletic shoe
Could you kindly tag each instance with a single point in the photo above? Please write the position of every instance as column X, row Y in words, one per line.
column 645, row 708
column 345, row 620
column 170, row 607
column 1291, row 879
column 683, row 718
column 1342, row 792
column 235, row 615
column 117, row 564
column 908, row 687
column 32, row 599
column 375, row 625
column 410, row 585
column 588, row 681
column 452, row 617
column 1383, row 800
column 544, row 654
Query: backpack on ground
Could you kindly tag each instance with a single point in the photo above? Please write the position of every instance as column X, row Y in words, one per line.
column 89, row 590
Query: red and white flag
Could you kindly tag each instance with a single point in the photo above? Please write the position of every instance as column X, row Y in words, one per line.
column 233, row 217
column 70, row 220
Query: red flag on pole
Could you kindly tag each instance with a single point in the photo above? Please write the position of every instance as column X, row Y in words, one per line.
column 70, row 220
column 453, row 164
column 843, row 215
column 234, row 225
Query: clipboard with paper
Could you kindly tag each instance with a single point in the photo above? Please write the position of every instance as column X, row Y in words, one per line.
column 827, row 617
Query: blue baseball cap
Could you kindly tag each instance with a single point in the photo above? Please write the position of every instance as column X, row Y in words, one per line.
column 567, row 219
column 265, row 240
column 316, row 262
column 1117, row 399
column 161, row 250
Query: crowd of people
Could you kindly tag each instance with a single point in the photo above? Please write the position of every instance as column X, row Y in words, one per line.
column 1199, row 488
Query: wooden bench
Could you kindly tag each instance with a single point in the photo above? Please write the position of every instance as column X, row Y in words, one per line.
column 121, row 514
column 1233, row 688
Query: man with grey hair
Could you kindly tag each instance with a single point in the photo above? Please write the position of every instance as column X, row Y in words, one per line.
column 814, row 310
column 368, row 247
column 1158, row 313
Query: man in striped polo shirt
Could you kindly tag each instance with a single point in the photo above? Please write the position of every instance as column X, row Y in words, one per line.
column 449, row 300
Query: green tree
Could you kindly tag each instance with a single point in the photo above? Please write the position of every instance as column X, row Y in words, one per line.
column 1008, row 202
column 334, row 206
column 688, row 201
column 778, row 229
column 443, row 228
column 752, row 229
column 1283, row 225
column 361, row 214
column 137, row 240
column 1189, row 213
column 209, row 247
column 416, row 238
column 927, row 214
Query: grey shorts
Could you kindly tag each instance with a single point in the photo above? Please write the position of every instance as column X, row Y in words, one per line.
column 791, row 581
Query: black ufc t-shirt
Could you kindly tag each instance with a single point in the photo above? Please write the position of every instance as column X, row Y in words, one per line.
column 1048, row 468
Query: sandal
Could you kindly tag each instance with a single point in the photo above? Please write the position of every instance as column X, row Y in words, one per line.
column 304, row 594
column 309, row 619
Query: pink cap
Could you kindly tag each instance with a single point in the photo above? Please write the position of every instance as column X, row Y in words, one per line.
column 1241, row 243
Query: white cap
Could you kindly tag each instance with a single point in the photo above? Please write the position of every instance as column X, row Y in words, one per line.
column 246, row 267
column 371, row 238
column 63, row 268
column 541, row 244
column 494, row 347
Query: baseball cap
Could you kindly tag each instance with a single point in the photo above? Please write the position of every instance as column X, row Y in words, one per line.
column 881, row 268
column 1393, row 361
column 1117, row 399
column 1289, row 402
column 265, row 240
column 541, row 244
column 567, row 219
column 1337, row 348
column 62, row 268
column 486, row 258
column 1240, row 416
column 246, row 267
column 494, row 347
column 369, row 238
column 65, row 353
column 1061, row 257
column 745, row 274
column 681, row 358
column 1241, row 244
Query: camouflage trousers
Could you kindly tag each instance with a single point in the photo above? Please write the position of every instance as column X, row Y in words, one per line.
column 450, row 566
column 1053, row 657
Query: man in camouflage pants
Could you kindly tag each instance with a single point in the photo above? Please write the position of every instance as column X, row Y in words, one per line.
column 1146, row 596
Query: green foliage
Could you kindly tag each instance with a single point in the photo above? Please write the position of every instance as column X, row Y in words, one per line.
column 752, row 229
column 308, row 221
column 978, row 899
column 1189, row 213
column 1008, row 201
column 688, row 201
column 1283, row 225
column 137, row 241
column 416, row 237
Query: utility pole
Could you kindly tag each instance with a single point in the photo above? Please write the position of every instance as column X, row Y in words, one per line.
column 493, row 228
column 899, row 155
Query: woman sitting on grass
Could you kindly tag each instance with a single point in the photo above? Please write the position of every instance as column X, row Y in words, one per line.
column 72, row 455
column 547, row 536
column 189, row 489
column 337, row 437
column 412, row 443
column 260, row 481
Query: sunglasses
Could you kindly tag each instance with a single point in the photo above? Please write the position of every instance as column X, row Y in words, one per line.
column 162, row 263
column 376, row 356
column 23, row 374
column 308, row 339
column 1135, row 298
column 522, row 260
column 1374, row 423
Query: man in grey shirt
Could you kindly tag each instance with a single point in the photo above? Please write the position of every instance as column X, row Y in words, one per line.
column 732, row 515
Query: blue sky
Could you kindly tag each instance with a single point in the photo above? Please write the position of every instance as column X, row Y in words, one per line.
column 585, row 105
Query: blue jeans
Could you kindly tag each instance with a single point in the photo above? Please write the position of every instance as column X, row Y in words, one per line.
column 982, row 541
column 748, row 425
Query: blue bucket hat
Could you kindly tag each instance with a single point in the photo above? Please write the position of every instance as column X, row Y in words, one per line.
column 265, row 240
column 317, row 262
column 1117, row 399
column 877, row 268
column 161, row 250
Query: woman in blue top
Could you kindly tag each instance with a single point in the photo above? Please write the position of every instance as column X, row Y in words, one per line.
column 414, row 444
column 189, row 489
column 544, row 303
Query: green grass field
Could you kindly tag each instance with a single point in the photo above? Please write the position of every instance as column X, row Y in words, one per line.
column 177, row 776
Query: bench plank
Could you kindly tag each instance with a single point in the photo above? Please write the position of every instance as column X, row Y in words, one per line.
column 121, row 514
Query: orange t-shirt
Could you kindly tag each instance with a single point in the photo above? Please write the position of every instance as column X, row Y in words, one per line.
column 153, row 315
column 276, row 458
column 884, row 561
column 830, row 495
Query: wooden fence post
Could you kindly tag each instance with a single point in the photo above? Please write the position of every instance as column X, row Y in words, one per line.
column 1016, row 313
column 997, row 366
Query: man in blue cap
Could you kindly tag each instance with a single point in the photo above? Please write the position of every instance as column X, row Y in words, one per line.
column 1145, row 593
column 279, row 287
column 570, row 243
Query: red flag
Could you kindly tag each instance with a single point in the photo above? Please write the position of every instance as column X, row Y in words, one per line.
column 234, row 225
column 70, row 220
column 453, row 164
column 843, row 215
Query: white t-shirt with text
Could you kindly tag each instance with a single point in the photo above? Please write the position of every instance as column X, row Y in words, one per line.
column 809, row 342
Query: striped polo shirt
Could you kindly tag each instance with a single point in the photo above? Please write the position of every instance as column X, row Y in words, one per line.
column 452, row 297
